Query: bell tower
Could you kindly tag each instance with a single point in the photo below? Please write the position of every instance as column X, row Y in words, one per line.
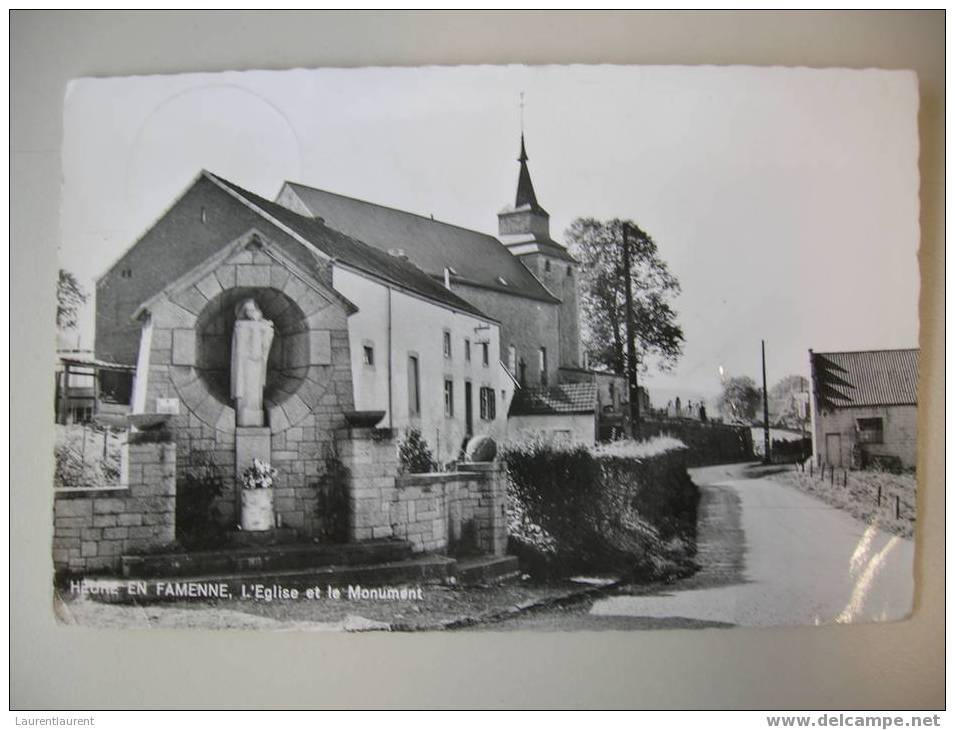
column 524, row 228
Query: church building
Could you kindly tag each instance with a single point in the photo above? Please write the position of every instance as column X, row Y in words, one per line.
column 439, row 325
column 523, row 279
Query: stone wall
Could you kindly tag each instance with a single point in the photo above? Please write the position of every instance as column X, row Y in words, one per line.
column 93, row 527
column 560, row 278
column 707, row 443
column 899, row 440
column 527, row 324
column 453, row 511
column 440, row 512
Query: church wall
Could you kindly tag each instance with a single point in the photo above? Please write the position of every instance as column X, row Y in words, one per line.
column 565, row 288
column 527, row 324
column 417, row 328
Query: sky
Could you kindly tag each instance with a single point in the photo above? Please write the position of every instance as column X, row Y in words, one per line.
column 784, row 200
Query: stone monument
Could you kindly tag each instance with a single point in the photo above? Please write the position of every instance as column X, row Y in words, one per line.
column 251, row 342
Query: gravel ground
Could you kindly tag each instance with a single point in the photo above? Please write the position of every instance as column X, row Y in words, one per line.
column 859, row 497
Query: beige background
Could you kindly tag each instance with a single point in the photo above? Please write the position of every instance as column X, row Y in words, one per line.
column 870, row 666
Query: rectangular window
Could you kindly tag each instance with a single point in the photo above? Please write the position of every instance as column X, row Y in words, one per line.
column 870, row 430
column 414, row 396
column 542, row 364
column 368, row 354
column 448, row 398
column 488, row 405
column 512, row 360
column 485, row 354
column 467, row 350
column 447, row 344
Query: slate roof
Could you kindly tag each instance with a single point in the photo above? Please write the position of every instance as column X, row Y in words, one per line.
column 566, row 398
column 525, row 188
column 356, row 253
column 475, row 258
column 867, row 378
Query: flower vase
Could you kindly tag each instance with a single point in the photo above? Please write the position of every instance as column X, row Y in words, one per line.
column 257, row 512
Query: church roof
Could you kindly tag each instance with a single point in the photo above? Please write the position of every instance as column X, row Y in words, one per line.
column 474, row 258
column 353, row 252
column 867, row 378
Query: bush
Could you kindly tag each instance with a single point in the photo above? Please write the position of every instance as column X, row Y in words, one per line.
column 414, row 455
column 79, row 456
column 571, row 510
column 198, row 522
column 333, row 513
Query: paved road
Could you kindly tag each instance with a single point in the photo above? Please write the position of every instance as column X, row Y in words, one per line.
column 772, row 555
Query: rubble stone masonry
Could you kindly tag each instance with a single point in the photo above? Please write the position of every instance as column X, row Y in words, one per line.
column 435, row 512
column 94, row 526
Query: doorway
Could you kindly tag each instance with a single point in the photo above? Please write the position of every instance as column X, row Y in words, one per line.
column 834, row 449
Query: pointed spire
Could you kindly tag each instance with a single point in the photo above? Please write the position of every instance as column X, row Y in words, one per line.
column 525, row 188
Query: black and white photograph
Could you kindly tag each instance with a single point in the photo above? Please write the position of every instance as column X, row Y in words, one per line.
column 487, row 348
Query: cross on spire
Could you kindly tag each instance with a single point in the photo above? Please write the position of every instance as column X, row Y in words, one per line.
column 522, row 113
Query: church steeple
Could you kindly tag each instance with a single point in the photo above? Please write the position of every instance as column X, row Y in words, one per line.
column 526, row 218
column 525, row 188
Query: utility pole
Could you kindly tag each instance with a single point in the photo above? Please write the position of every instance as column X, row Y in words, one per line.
column 631, row 344
column 766, row 454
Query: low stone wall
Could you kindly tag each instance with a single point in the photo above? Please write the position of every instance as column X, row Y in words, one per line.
column 94, row 527
column 707, row 442
column 459, row 511
column 441, row 512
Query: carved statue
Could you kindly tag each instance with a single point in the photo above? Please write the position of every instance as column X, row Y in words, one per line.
column 251, row 341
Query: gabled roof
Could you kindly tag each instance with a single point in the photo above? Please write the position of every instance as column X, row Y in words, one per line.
column 353, row 252
column 313, row 275
column 566, row 398
column 474, row 258
column 866, row 378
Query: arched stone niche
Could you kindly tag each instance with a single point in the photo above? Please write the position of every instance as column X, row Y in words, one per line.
column 288, row 357
column 197, row 319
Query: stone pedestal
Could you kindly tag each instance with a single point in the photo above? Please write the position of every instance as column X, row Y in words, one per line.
column 247, row 416
column 251, row 442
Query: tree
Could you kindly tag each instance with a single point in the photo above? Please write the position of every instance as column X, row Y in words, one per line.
column 787, row 402
column 69, row 298
column 598, row 245
column 740, row 399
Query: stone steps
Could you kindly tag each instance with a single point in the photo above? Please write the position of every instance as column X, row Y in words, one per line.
column 263, row 558
column 485, row 569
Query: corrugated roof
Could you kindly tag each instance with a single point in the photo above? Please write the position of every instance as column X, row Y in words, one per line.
column 474, row 257
column 357, row 253
column 564, row 398
column 867, row 378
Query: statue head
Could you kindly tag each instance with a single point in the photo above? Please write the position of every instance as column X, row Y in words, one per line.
column 248, row 309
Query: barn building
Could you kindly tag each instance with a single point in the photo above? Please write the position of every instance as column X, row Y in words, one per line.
column 865, row 408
